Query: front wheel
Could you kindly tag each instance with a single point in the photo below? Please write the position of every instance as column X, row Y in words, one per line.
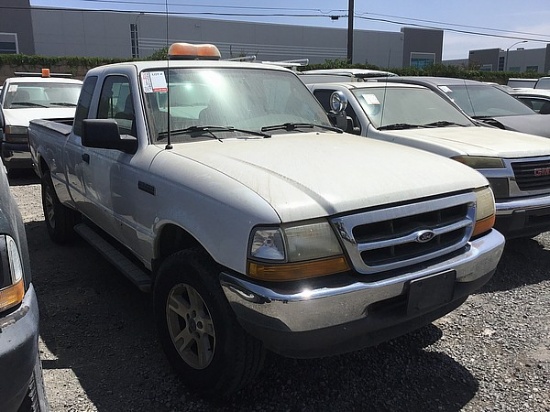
column 198, row 330
column 35, row 399
column 60, row 220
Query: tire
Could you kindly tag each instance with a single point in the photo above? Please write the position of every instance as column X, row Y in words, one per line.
column 198, row 330
column 60, row 220
column 35, row 399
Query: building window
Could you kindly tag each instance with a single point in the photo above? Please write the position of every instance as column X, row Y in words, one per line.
column 533, row 69
column 486, row 68
column 8, row 43
column 134, row 40
column 422, row 60
column 501, row 63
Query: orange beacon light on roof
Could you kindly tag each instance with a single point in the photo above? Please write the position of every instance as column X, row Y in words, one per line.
column 187, row 51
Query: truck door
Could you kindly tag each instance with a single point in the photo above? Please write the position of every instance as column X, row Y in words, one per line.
column 107, row 173
column 74, row 166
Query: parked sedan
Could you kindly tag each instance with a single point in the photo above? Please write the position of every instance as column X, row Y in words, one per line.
column 484, row 102
column 21, row 381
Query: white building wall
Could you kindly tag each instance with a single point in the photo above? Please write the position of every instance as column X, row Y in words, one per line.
column 107, row 34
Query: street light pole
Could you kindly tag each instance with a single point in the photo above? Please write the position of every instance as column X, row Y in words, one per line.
column 351, row 12
column 507, row 50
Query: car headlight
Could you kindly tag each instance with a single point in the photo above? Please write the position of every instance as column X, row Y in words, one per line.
column 485, row 211
column 10, row 129
column 12, row 288
column 480, row 162
column 293, row 252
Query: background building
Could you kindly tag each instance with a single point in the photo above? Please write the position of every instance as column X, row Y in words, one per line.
column 109, row 34
column 69, row 32
column 519, row 60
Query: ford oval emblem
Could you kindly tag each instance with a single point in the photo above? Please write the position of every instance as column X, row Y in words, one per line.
column 424, row 236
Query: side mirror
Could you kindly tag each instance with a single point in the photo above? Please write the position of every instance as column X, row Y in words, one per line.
column 104, row 134
column 337, row 115
column 338, row 102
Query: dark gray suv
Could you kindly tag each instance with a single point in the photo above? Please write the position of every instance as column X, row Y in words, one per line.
column 485, row 103
column 21, row 381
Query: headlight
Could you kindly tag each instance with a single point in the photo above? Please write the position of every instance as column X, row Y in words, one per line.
column 13, row 288
column 485, row 211
column 292, row 252
column 10, row 129
column 478, row 162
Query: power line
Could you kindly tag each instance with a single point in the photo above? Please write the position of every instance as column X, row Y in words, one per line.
column 501, row 36
column 148, row 3
column 388, row 19
column 361, row 15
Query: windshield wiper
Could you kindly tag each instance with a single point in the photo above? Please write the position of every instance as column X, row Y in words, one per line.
column 63, row 104
column 400, row 126
column 199, row 130
column 27, row 104
column 441, row 123
column 289, row 127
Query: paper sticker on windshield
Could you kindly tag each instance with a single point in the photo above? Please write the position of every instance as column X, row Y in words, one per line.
column 371, row 99
column 445, row 89
column 12, row 88
column 154, row 82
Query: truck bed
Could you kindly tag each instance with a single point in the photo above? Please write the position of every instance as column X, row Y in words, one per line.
column 61, row 126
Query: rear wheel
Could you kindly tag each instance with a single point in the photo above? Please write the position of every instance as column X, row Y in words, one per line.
column 60, row 220
column 198, row 330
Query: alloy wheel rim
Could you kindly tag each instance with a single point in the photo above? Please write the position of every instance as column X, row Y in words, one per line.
column 190, row 326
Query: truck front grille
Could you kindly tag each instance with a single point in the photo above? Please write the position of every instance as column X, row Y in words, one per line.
column 400, row 236
column 532, row 175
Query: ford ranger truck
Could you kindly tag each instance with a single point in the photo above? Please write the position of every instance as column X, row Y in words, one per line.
column 517, row 165
column 223, row 189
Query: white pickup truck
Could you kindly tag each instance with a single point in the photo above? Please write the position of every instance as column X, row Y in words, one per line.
column 223, row 188
column 30, row 96
column 517, row 165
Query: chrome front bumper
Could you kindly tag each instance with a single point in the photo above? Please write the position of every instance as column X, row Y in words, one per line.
column 342, row 313
column 523, row 217
column 522, row 204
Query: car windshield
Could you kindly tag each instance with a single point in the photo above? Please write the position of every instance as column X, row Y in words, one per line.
column 483, row 100
column 41, row 94
column 408, row 107
column 228, row 102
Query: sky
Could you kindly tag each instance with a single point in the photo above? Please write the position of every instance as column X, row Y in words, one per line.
column 467, row 24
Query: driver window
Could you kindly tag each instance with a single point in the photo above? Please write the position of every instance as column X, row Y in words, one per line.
column 116, row 103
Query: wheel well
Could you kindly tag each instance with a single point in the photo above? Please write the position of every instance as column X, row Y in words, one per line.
column 43, row 167
column 171, row 240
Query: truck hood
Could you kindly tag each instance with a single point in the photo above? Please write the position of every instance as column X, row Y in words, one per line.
column 538, row 124
column 303, row 176
column 22, row 116
column 473, row 141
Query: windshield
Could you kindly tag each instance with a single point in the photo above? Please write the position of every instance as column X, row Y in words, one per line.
column 408, row 106
column 41, row 94
column 483, row 100
column 240, row 100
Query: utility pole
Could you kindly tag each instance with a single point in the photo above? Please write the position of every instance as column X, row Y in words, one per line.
column 351, row 13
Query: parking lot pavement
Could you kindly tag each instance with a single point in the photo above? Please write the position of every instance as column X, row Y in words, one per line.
column 100, row 352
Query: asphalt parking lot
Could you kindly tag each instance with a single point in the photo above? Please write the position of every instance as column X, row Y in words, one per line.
column 100, row 353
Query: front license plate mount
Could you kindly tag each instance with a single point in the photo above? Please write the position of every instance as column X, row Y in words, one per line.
column 431, row 291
